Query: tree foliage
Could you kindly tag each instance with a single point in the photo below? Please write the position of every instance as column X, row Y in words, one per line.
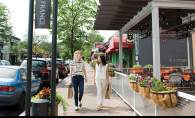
column 73, row 16
column 5, row 26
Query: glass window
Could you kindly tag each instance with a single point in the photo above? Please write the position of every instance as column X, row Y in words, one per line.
column 7, row 73
column 23, row 74
column 35, row 63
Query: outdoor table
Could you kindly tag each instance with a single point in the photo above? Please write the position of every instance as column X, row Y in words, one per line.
column 186, row 77
column 138, row 71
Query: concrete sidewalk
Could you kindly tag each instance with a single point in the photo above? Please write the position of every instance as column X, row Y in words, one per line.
column 112, row 107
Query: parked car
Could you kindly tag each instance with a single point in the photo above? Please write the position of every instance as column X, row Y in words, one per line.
column 5, row 62
column 13, row 86
column 41, row 67
column 63, row 68
column 68, row 64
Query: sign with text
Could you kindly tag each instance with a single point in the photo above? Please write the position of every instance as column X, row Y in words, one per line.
column 42, row 14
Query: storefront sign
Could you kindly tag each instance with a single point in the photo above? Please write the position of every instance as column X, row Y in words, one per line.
column 42, row 14
column 130, row 39
column 99, row 45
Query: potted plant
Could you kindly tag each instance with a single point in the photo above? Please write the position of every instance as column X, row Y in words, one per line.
column 137, row 66
column 143, row 83
column 111, row 72
column 124, row 63
column 133, row 81
column 46, row 94
column 148, row 66
column 163, row 94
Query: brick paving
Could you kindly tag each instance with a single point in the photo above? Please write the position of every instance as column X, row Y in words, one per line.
column 112, row 107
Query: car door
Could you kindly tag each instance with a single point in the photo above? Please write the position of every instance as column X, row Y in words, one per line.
column 23, row 77
column 33, row 84
column 36, row 82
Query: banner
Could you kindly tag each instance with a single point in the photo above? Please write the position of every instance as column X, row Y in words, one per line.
column 42, row 14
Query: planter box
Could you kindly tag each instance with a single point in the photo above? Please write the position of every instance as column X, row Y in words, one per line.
column 165, row 99
column 134, row 86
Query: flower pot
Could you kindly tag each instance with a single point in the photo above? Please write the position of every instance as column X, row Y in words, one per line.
column 134, row 86
column 111, row 73
column 145, row 91
column 56, row 110
column 165, row 99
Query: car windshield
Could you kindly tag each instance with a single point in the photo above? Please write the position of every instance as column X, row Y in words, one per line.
column 4, row 62
column 58, row 62
column 7, row 73
column 35, row 63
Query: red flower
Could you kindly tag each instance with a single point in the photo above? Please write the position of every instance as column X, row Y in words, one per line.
column 39, row 96
column 164, row 87
column 168, row 85
column 44, row 88
column 172, row 85
column 145, row 75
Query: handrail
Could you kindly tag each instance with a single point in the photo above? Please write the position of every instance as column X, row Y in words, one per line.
column 181, row 94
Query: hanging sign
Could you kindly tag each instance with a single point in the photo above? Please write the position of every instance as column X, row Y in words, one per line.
column 42, row 14
column 130, row 39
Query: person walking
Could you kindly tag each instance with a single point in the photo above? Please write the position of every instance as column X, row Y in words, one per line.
column 101, row 80
column 77, row 73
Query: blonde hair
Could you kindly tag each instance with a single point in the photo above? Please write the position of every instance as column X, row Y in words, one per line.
column 77, row 55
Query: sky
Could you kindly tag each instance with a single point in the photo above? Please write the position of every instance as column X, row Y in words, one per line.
column 19, row 18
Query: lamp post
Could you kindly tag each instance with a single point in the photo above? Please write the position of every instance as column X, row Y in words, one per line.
column 86, row 41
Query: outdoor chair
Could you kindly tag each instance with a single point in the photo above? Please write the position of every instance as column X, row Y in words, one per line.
column 190, row 73
column 176, row 79
column 165, row 70
column 147, row 72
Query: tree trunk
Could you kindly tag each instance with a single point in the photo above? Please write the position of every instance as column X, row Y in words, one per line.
column 72, row 51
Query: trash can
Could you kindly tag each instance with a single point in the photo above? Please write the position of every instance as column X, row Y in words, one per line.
column 40, row 107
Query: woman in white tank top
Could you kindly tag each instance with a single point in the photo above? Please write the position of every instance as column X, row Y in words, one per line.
column 101, row 80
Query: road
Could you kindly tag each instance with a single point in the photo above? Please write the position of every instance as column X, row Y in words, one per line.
column 10, row 111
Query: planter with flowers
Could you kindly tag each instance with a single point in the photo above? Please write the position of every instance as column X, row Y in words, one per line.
column 111, row 72
column 133, row 79
column 46, row 94
column 143, row 83
column 163, row 94
column 137, row 66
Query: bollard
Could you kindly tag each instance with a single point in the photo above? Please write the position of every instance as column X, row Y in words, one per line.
column 40, row 107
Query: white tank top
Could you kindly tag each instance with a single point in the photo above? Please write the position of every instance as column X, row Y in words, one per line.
column 101, row 73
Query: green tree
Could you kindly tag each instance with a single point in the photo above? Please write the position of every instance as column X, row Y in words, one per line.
column 16, row 49
column 73, row 15
column 94, row 36
column 46, row 47
column 5, row 26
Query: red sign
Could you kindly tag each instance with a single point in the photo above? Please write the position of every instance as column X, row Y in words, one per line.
column 99, row 46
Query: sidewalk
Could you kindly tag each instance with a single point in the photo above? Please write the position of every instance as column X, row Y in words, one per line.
column 112, row 107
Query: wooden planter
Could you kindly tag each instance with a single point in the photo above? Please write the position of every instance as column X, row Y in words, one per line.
column 144, row 91
column 111, row 73
column 56, row 110
column 165, row 99
column 134, row 86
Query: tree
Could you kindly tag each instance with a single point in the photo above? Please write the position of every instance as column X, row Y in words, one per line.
column 73, row 15
column 46, row 47
column 16, row 49
column 94, row 36
column 5, row 26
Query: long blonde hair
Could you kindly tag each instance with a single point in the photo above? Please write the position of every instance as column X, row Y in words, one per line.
column 78, row 55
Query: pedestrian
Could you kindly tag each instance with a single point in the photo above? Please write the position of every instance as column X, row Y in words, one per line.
column 101, row 80
column 77, row 73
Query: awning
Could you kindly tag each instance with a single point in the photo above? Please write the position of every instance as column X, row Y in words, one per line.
column 109, row 51
column 114, row 43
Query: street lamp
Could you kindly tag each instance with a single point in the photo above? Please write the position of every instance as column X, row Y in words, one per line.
column 86, row 41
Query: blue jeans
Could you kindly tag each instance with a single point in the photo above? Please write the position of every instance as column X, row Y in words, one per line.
column 78, row 82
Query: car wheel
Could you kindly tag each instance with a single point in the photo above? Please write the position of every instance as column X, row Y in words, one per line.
column 21, row 102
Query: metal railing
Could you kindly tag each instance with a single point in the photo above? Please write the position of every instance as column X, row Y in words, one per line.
column 145, row 107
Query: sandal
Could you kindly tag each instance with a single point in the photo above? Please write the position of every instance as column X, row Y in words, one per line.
column 99, row 108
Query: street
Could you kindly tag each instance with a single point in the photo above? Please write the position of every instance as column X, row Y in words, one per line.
column 10, row 111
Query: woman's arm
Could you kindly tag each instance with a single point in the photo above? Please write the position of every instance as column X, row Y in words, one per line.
column 95, row 75
column 71, row 75
column 84, row 71
column 107, row 76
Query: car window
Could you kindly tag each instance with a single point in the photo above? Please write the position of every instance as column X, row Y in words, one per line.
column 7, row 73
column 23, row 74
column 32, row 75
column 35, row 63
column 5, row 62
column 59, row 62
